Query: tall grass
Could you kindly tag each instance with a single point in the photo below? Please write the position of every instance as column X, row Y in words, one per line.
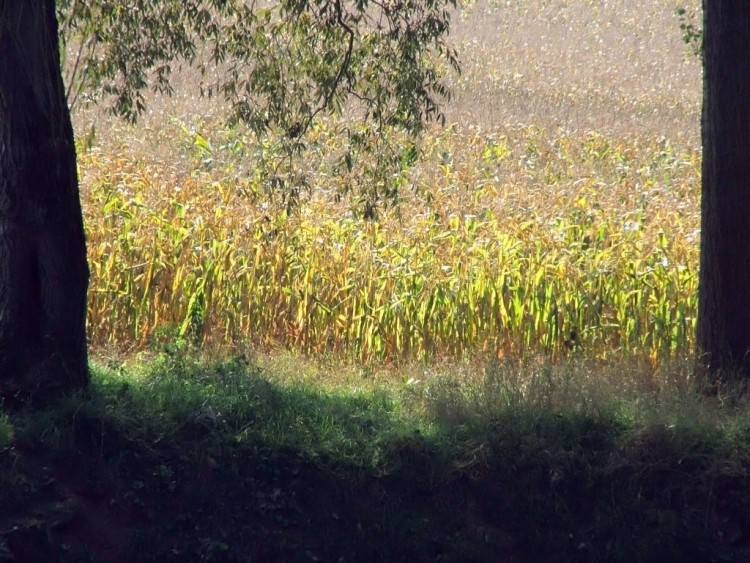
column 517, row 241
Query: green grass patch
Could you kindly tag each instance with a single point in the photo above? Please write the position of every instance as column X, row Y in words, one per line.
column 177, row 457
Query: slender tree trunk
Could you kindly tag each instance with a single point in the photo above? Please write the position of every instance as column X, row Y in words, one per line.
column 723, row 335
column 43, row 268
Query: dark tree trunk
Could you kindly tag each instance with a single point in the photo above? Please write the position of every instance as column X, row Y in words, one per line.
column 723, row 335
column 43, row 268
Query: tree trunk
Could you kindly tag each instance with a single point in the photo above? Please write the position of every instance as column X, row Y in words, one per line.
column 723, row 335
column 43, row 268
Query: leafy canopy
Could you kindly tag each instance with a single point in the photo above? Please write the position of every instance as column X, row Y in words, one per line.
column 281, row 64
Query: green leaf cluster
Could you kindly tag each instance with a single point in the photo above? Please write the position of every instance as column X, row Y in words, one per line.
column 692, row 33
column 281, row 64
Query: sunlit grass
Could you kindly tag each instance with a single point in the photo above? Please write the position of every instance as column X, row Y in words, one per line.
column 274, row 403
column 180, row 395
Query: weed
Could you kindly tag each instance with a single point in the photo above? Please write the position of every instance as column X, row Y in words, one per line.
column 6, row 431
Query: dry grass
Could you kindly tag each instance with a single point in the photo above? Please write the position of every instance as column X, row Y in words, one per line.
column 618, row 67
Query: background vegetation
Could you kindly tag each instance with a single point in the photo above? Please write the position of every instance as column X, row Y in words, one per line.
column 558, row 213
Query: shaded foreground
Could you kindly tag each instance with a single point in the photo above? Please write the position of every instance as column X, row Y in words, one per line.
column 181, row 461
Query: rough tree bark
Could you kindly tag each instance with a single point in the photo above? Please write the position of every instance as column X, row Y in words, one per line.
column 723, row 335
column 43, row 268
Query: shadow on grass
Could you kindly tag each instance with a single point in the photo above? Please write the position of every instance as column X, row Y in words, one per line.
column 177, row 460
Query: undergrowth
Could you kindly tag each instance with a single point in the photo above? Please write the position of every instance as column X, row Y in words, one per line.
column 184, row 457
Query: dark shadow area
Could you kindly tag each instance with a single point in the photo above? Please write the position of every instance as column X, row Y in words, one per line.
column 222, row 464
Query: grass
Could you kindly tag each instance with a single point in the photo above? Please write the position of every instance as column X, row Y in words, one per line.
column 175, row 457
column 6, row 432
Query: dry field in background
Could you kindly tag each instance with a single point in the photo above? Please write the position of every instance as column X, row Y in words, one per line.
column 618, row 67
column 562, row 212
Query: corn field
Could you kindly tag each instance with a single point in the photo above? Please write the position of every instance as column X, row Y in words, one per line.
column 513, row 242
